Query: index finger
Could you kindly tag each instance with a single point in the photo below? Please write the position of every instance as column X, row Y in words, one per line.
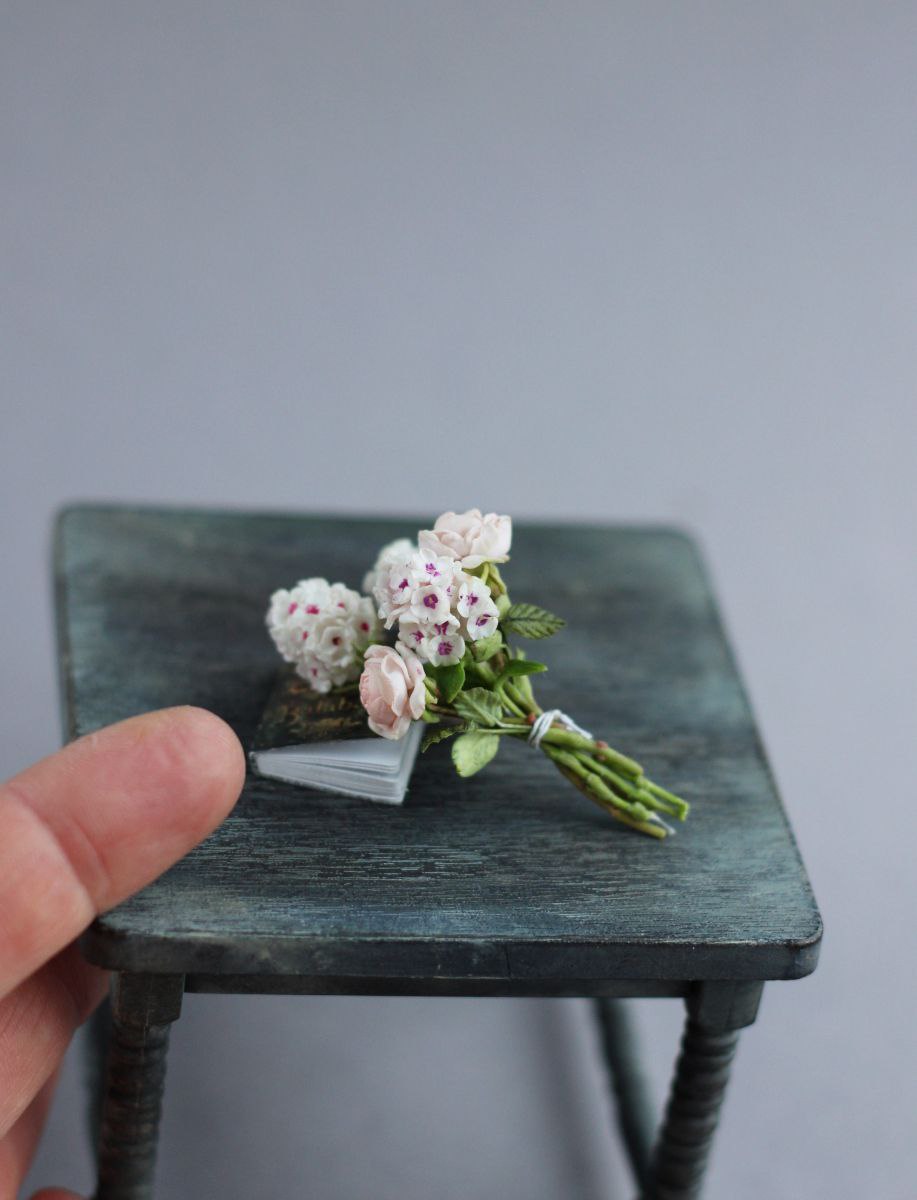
column 83, row 829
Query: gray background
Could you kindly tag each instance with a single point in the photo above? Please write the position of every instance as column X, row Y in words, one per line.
column 611, row 261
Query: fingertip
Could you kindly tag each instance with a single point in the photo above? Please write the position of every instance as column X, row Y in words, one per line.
column 194, row 768
column 207, row 749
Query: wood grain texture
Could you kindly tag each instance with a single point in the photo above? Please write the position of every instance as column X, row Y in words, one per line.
column 510, row 877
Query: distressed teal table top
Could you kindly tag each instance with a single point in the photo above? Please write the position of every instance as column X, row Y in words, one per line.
column 510, row 881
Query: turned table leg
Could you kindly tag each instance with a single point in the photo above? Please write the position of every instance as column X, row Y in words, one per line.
column 143, row 1009
column 716, row 1013
column 632, row 1102
column 96, row 1039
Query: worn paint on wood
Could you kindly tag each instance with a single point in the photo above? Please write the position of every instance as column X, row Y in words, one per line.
column 510, row 877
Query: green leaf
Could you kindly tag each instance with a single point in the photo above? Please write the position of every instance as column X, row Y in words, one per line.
column 440, row 735
column 449, row 680
column 520, row 666
column 429, row 717
column 503, row 604
column 479, row 705
column 487, row 647
column 472, row 751
column 528, row 620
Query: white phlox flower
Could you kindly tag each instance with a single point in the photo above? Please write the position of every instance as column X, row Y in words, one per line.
column 446, row 648
column 319, row 627
column 476, row 608
column 406, row 587
column 422, row 636
column 389, row 556
column 483, row 621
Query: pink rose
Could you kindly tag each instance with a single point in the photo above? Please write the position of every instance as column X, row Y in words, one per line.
column 469, row 537
column 392, row 690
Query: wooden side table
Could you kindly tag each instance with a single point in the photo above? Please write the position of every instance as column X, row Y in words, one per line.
column 508, row 884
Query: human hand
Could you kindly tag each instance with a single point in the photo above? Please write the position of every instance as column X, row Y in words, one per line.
column 79, row 832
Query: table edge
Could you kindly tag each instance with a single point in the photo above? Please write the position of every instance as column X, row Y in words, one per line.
column 551, row 963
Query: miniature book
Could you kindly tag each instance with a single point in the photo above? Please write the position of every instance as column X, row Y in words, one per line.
column 322, row 741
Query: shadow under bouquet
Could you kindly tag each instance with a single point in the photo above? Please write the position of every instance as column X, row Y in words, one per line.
column 440, row 641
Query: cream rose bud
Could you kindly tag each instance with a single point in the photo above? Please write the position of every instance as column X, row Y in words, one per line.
column 392, row 690
column 470, row 538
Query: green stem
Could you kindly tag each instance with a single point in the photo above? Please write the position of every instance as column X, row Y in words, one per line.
column 632, row 803
column 525, row 702
column 628, row 790
column 620, row 762
column 524, row 687
column 509, row 702
column 568, row 740
column 642, row 791
column 589, row 783
column 618, row 782
column 681, row 807
column 484, row 671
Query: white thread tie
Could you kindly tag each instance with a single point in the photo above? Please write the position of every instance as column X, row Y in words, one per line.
column 545, row 720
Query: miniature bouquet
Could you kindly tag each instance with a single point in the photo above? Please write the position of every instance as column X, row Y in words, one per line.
column 439, row 642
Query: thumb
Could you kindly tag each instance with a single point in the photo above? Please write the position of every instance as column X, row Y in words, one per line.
column 83, row 829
